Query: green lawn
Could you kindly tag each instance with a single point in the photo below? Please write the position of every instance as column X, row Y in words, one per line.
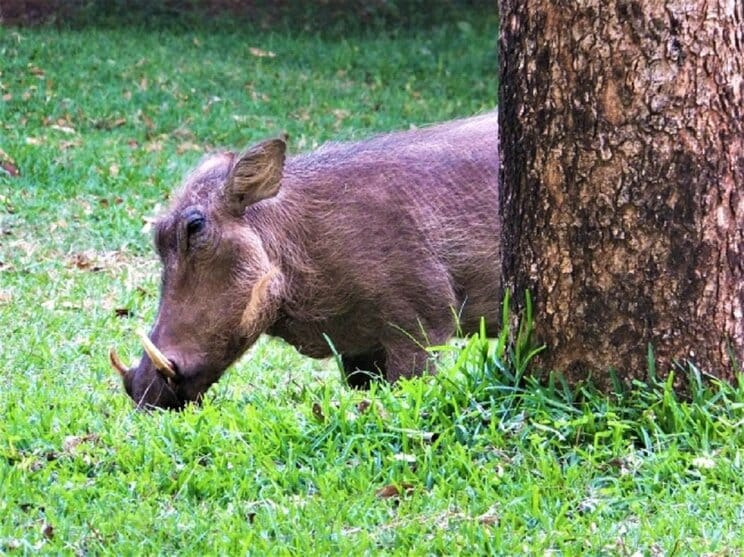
column 282, row 458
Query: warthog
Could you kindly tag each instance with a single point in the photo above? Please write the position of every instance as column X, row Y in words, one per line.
column 382, row 246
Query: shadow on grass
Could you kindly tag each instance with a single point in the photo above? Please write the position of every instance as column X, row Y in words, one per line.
column 330, row 17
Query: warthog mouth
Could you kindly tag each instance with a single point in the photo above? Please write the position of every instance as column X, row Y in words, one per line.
column 165, row 368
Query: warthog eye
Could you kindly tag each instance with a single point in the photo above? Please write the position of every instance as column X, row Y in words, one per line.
column 195, row 221
column 191, row 224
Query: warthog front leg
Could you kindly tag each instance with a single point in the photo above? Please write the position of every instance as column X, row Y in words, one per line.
column 362, row 369
column 408, row 357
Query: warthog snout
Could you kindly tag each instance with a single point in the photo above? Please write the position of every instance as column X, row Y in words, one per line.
column 156, row 382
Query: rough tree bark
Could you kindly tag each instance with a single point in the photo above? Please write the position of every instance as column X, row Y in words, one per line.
column 622, row 130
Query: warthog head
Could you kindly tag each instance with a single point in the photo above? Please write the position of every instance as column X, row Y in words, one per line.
column 219, row 289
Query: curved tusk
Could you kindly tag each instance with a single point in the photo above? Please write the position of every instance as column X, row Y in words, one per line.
column 158, row 359
column 116, row 363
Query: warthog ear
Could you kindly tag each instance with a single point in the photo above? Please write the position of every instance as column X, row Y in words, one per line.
column 256, row 175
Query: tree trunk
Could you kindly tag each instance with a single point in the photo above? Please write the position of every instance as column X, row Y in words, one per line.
column 622, row 134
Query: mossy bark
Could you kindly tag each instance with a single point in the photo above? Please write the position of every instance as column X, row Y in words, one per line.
column 622, row 130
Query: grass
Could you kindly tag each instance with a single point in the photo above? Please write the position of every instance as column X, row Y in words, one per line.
column 282, row 459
